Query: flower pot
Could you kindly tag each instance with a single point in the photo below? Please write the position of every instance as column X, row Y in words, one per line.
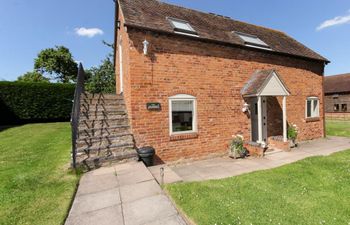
column 237, row 154
column 292, row 143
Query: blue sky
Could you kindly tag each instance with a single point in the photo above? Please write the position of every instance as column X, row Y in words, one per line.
column 27, row 26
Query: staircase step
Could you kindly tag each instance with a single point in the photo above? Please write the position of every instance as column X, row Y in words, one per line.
column 101, row 96
column 99, row 108
column 102, row 120
column 92, row 162
column 101, row 101
column 89, row 124
column 104, row 136
column 98, row 149
column 104, row 142
column 103, row 131
column 102, row 115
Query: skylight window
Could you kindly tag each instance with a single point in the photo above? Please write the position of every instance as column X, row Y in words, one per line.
column 253, row 41
column 182, row 26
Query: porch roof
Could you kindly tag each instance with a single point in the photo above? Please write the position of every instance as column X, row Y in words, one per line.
column 265, row 83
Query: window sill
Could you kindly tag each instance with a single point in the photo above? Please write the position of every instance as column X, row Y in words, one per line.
column 178, row 137
column 312, row 119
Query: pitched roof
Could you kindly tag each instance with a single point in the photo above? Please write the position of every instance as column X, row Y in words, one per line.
column 337, row 83
column 153, row 14
column 259, row 80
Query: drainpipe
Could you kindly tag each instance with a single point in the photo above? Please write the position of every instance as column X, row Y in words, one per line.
column 116, row 28
column 323, row 102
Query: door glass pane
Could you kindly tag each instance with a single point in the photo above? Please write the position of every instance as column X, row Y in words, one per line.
column 182, row 115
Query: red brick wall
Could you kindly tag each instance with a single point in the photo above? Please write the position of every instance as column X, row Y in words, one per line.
column 214, row 74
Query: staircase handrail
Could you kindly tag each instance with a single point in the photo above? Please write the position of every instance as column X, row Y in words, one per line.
column 79, row 89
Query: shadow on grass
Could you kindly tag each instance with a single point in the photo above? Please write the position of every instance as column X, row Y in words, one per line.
column 5, row 127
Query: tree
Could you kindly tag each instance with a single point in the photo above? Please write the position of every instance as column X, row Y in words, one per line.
column 33, row 76
column 58, row 62
column 102, row 78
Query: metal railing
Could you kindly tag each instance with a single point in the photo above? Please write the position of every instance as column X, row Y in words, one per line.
column 79, row 89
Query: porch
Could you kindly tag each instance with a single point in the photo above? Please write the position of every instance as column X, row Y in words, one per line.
column 265, row 96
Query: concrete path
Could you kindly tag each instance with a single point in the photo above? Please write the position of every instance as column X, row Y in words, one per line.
column 125, row 194
column 218, row 168
column 169, row 176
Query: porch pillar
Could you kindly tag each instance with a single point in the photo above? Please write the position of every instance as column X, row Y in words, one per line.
column 285, row 139
column 260, row 125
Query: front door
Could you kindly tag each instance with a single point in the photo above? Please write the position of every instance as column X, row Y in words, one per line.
column 254, row 119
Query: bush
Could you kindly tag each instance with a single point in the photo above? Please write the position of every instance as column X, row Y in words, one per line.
column 22, row 102
column 101, row 79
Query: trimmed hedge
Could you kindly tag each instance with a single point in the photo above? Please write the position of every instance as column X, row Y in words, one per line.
column 22, row 102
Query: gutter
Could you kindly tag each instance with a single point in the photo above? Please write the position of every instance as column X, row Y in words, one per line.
column 325, row 61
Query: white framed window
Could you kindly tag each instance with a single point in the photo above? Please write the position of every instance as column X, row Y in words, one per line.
column 312, row 107
column 182, row 114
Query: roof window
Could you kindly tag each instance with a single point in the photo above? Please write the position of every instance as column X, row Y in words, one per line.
column 253, row 41
column 182, row 26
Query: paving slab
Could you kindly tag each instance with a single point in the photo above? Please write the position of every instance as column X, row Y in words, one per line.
column 134, row 177
column 226, row 167
column 106, row 216
column 137, row 191
column 169, row 175
column 172, row 220
column 95, row 201
column 122, row 194
column 148, row 210
column 90, row 183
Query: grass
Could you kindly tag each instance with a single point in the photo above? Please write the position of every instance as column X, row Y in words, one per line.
column 36, row 186
column 312, row 191
column 338, row 128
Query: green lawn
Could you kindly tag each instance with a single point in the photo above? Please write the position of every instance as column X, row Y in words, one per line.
column 312, row 191
column 338, row 128
column 36, row 185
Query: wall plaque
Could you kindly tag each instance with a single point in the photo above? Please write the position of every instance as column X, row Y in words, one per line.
column 154, row 106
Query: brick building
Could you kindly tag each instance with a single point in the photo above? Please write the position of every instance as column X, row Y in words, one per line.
column 191, row 80
column 337, row 96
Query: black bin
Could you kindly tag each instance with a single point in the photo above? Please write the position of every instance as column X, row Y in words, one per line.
column 146, row 155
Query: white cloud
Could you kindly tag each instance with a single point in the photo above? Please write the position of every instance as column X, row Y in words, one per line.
column 338, row 20
column 88, row 32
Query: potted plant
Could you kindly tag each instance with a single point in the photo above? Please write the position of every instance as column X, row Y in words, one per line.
column 236, row 148
column 292, row 134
